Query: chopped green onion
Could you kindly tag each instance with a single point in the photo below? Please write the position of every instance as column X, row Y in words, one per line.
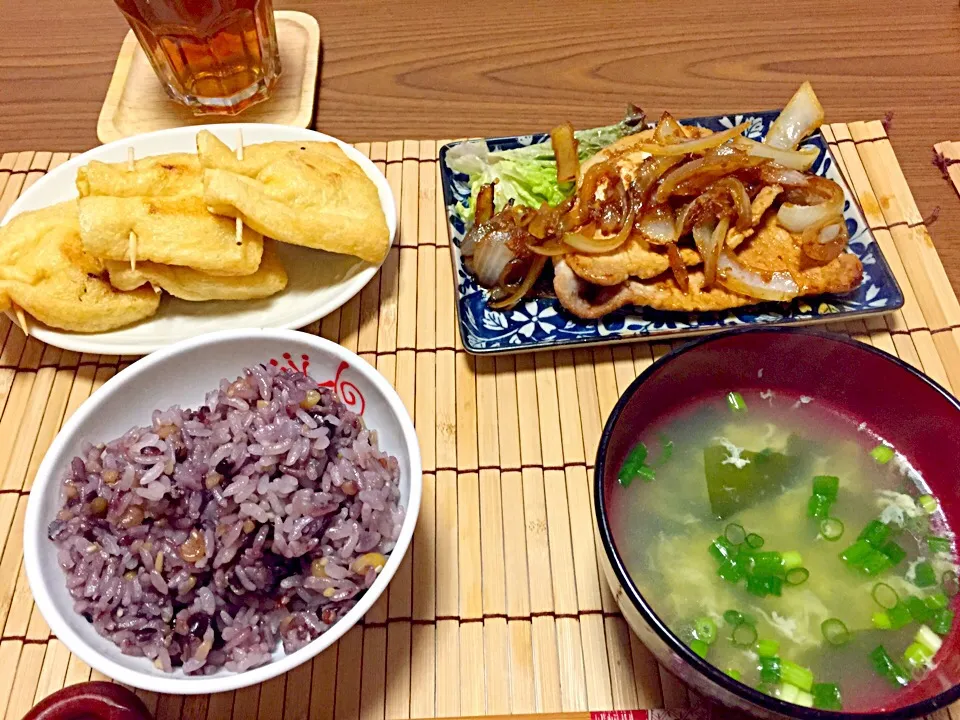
column 791, row 559
column 735, row 533
column 770, row 670
column 900, row 616
column 936, row 601
column 863, row 555
column 875, row 563
column 928, row 638
column 818, row 506
column 881, row 620
column 766, row 564
column 763, row 585
column 928, row 503
column 705, row 629
column 831, row 529
column 755, row 541
column 735, row 674
column 825, row 489
column 631, row 466
column 939, row 544
column 918, row 609
column 797, row 576
column 792, row 694
column 856, row 553
column 731, row 571
column 951, row 586
column 767, row 648
column 882, row 454
column 942, row 621
column 894, row 552
column 745, row 558
column 744, row 635
column 666, row 451
column 885, row 596
column 826, row 696
column 733, row 617
column 887, row 668
column 735, row 401
column 796, row 675
column 917, row 656
column 835, row 632
column 647, row 473
column 722, row 549
column 875, row 533
column 789, row 693
column 827, row 486
column 699, row 647
column 924, row 575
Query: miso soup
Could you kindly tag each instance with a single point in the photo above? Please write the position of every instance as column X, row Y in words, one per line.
column 789, row 546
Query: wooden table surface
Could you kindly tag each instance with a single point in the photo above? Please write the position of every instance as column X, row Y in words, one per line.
column 433, row 68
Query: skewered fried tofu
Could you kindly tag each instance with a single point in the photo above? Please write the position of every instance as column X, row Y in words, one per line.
column 189, row 284
column 308, row 194
column 45, row 270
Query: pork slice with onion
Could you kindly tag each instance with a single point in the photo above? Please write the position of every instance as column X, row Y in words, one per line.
column 585, row 299
column 635, row 259
column 778, row 285
column 822, row 243
column 761, row 203
column 772, row 265
column 589, row 302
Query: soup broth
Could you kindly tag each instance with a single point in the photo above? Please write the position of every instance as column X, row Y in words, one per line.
column 740, row 520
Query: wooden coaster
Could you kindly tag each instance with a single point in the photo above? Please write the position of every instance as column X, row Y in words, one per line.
column 136, row 102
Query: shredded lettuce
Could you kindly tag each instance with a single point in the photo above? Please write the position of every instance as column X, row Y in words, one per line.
column 528, row 175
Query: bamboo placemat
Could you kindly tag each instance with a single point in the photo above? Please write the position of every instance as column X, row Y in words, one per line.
column 499, row 607
column 948, row 157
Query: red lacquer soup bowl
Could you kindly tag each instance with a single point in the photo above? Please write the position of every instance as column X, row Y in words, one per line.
column 899, row 403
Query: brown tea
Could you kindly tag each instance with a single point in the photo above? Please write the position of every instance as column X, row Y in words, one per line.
column 215, row 56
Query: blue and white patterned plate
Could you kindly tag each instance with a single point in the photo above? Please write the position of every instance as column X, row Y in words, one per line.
column 538, row 324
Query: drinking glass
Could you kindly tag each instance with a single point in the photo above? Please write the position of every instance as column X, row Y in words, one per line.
column 214, row 56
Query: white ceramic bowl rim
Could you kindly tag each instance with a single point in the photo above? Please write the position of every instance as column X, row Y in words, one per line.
column 46, row 481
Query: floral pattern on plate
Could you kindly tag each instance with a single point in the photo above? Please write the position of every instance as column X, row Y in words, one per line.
column 542, row 323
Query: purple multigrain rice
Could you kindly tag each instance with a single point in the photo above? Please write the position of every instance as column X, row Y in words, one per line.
column 211, row 535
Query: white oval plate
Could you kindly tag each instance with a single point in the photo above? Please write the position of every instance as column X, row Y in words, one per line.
column 319, row 282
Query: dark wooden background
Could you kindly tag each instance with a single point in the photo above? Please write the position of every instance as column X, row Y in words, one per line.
column 435, row 68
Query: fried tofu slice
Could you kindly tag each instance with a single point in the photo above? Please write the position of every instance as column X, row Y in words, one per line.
column 152, row 176
column 175, row 230
column 770, row 249
column 189, row 284
column 45, row 270
column 308, row 194
column 161, row 202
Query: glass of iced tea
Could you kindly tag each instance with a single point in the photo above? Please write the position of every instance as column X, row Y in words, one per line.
column 214, row 56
